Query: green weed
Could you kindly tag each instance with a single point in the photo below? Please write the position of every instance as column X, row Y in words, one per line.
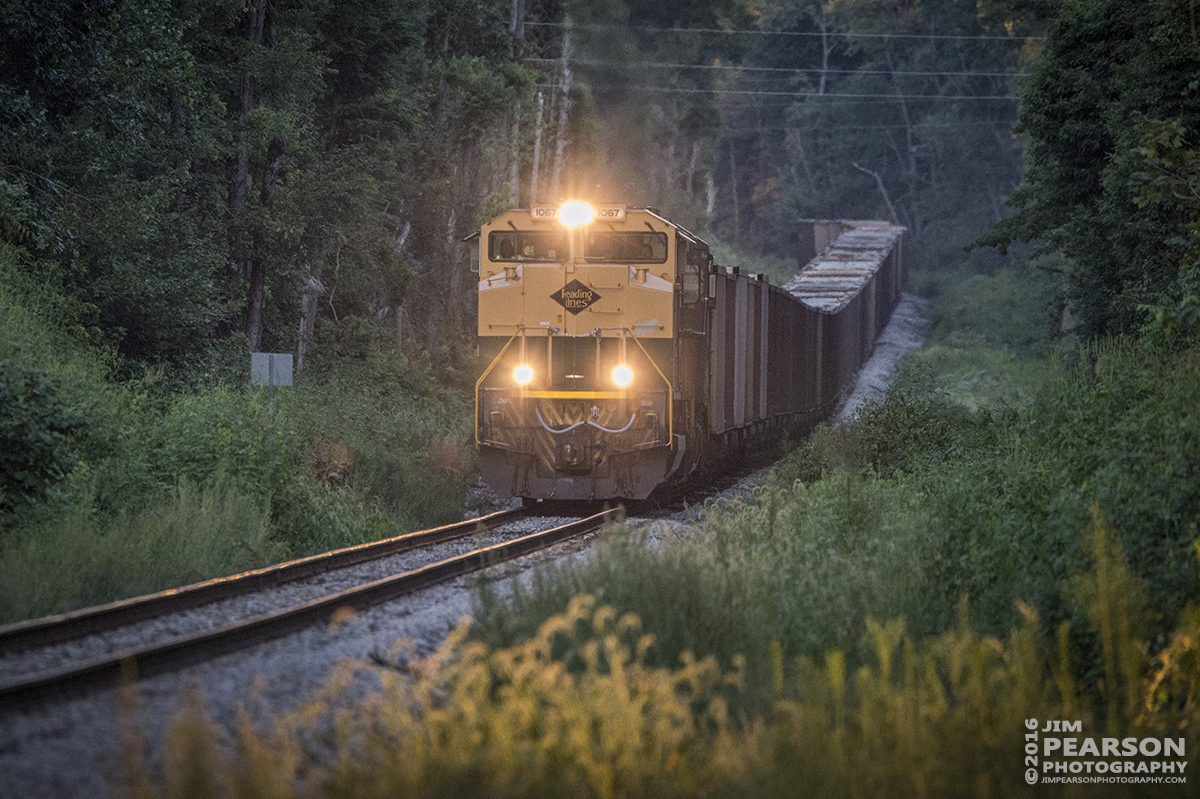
column 355, row 450
column 581, row 710
column 801, row 564
column 194, row 533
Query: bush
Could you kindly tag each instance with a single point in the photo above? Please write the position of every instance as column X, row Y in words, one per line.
column 913, row 427
column 220, row 432
column 395, row 440
column 1015, row 309
column 1115, row 427
column 36, row 427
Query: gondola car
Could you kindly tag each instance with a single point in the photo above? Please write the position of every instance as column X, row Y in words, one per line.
column 620, row 360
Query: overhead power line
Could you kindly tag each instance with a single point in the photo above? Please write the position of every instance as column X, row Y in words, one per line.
column 831, row 128
column 676, row 90
column 848, row 34
column 816, row 70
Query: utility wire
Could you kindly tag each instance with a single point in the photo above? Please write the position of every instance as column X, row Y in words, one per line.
column 784, row 129
column 657, row 65
column 851, row 34
column 675, row 90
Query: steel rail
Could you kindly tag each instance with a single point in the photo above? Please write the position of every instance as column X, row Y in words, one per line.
column 185, row 650
column 101, row 618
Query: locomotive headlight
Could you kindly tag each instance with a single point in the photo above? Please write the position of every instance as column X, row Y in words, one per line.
column 575, row 213
column 522, row 374
column 622, row 376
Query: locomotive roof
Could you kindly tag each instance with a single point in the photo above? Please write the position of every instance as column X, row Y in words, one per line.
column 834, row 277
column 519, row 213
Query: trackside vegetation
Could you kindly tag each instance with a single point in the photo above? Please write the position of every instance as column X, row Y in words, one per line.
column 113, row 488
column 935, row 501
column 580, row 709
column 881, row 617
column 1010, row 535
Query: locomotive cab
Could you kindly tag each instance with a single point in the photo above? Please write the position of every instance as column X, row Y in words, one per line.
column 582, row 313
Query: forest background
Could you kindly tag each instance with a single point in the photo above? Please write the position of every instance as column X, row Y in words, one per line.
column 182, row 183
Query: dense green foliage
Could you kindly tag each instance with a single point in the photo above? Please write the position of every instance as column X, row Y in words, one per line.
column 118, row 487
column 186, row 170
column 1111, row 109
column 182, row 183
column 35, row 427
column 740, row 118
column 1114, row 432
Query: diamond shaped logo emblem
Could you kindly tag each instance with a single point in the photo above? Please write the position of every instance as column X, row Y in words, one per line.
column 575, row 297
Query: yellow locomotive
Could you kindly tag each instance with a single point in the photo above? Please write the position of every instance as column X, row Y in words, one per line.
column 621, row 359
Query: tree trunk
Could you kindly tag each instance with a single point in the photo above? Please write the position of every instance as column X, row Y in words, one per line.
column 882, row 190
column 669, row 169
column 795, row 139
column 239, row 182
column 537, row 154
column 258, row 260
column 691, row 168
column 826, row 49
column 514, row 171
column 908, row 129
column 516, row 24
column 737, row 214
column 560, row 144
column 309, row 301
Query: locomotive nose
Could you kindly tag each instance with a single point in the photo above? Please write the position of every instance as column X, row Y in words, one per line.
column 570, row 454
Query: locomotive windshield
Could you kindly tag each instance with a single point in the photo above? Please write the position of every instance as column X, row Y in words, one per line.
column 626, row 248
column 527, row 245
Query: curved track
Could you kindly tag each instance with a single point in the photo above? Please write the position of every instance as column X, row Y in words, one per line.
column 173, row 652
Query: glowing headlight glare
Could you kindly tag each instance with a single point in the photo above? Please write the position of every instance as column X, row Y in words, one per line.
column 575, row 213
column 622, row 376
column 522, row 374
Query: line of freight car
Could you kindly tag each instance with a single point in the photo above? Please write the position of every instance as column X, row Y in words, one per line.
column 621, row 360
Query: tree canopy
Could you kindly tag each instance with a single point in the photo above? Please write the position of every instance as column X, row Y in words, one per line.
column 192, row 179
column 1111, row 110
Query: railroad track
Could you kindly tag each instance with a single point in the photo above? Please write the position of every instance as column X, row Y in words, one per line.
column 171, row 652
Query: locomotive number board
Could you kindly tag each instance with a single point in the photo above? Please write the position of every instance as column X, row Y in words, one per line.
column 604, row 213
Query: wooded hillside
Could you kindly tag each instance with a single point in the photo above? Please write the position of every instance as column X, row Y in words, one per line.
column 195, row 179
column 184, row 182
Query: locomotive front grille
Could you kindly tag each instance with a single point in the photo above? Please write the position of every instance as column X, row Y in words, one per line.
column 571, row 433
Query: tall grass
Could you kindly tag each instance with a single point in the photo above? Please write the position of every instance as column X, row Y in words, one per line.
column 193, row 534
column 580, row 710
column 991, row 334
column 404, row 443
column 1115, row 427
column 366, row 446
column 799, row 564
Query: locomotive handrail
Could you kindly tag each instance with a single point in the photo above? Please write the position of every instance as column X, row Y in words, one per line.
column 483, row 377
column 568, row 428
column 670, row 391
